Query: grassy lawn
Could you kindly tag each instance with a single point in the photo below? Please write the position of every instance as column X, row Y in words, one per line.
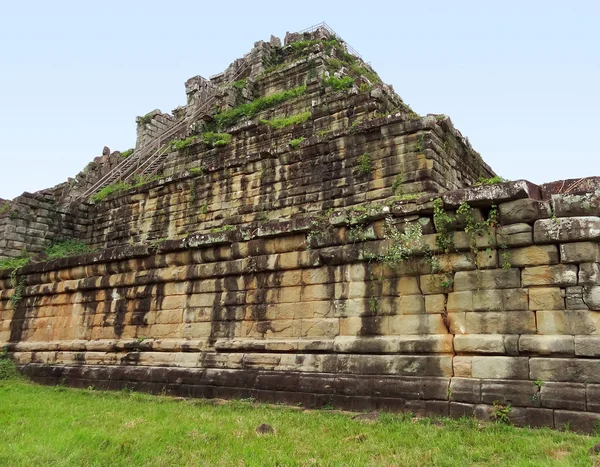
column 60, row 426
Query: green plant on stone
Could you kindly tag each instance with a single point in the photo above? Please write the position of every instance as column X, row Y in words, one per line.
column 179, row 144
column 126, row 154
column 278, row 123
column 67, row 248
column 477, row 229
column 407, row 248
column 420, row 146
column 295, row 143
column 339, row 84
column 230, row 117
column 145, row 119
column 490, row 181
column 364, row 164
column 8, row 370
column 204, row 208
column 223, row 228
column 109, row 190
column 157, row 244
column 216, row 140
column 444, row 239
column 14, row 263
column 538, row 383
column 500, row 413
column 373, row 304
column 196, row 171
column 18, row 286
column 321, row 229
column 239, row 84
column 397, row 184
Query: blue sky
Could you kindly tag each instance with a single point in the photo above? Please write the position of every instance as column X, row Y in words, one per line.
column 520, row 79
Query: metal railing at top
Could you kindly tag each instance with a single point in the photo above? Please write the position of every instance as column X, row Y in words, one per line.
column 148, row 153
column 324, row 25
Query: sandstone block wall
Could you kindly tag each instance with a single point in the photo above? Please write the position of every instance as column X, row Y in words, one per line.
column 306, row 311
column 32, row 222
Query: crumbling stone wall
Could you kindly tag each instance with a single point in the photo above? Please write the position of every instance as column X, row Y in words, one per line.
column 306, row 311
column 32, row 222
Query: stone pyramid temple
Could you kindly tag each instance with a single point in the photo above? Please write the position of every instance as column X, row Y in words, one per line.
column 296, row 233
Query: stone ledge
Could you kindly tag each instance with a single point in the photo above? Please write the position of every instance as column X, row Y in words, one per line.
column 423, row 396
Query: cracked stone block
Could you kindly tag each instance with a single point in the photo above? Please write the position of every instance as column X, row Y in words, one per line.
column 561, row 275
column 580, row 252
column 523, row 210
column 566, row 229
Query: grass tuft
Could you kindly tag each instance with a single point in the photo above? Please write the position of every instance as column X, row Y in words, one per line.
column 278, row 123
column 232, row 116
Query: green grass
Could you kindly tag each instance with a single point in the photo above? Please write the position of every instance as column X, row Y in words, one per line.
column 179, row 144
column 490, row 181
column 119, row 187
column 232, row 116
column 13, row 263
column 58, row 426
column 216, row 139
column 109, row 190
column 126, row 154
column 67, row 248
column 338, row 84
column 278, row 123
column 239, row 84
column 295, row 143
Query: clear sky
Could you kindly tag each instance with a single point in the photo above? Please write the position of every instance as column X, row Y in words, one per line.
column 519, row 78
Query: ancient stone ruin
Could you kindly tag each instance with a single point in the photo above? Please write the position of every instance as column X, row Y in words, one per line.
column 297, row 233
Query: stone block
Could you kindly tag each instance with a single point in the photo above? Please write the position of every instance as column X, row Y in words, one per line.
column 591, row 297
column 480, row 344
column 489, row 279
column 561, row 275
column 566, row 396
column 592, row 392
column 410, row 305
column 460, row 302
column 567, row 322
column 574, row 370
column 501, row 192
column 515, row 235
column 574, row 298
column 436, row 283
column 401, row 365
column 531, row 255
column 566, row 229
column 465, row 390
column 523, row 210
column 502, row 322
column 539, row 418
column 581, row 422
column 546, row 298
column 589, row 274
column 515, row 393
column 462, row 366
column 587, row 204
column 580, row 252
column 587, row 346
column 435, row 303
column 500, row 367
column 503, row 299
column 417, row 324
column 457, row 322
column 546, row 345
